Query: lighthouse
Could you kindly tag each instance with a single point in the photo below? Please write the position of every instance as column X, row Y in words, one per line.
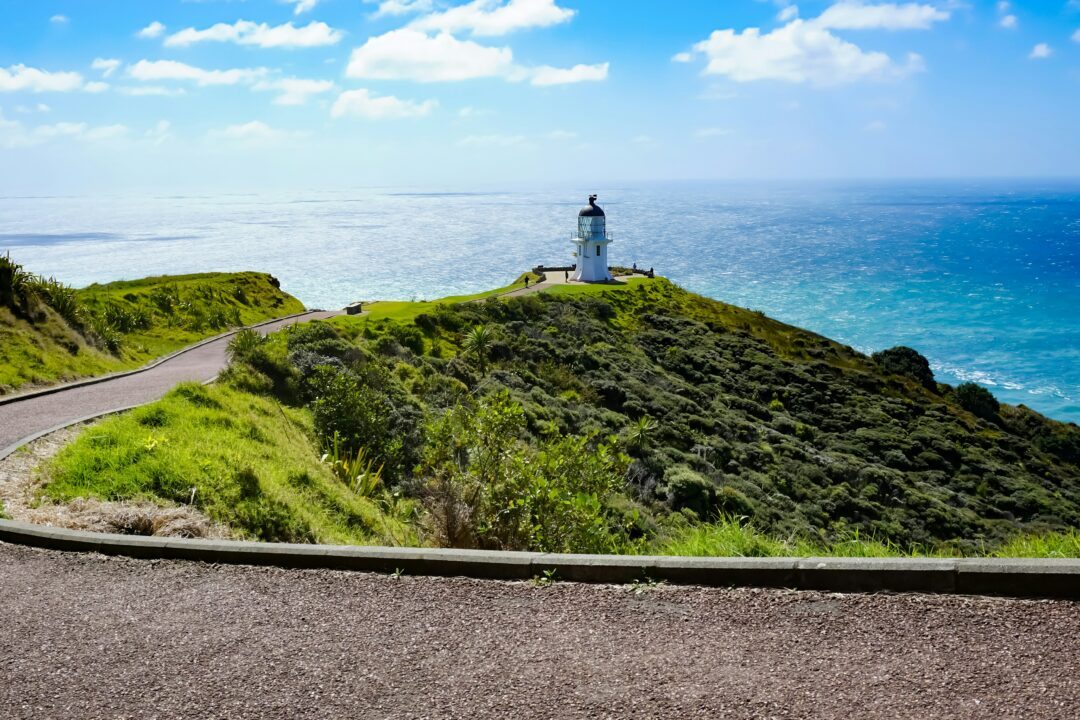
column 590, row 244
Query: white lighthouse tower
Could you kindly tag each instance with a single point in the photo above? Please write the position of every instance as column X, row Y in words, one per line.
column 591, row 243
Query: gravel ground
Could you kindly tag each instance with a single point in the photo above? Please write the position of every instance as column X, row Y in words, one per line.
column 85, row 636
column 25, row 417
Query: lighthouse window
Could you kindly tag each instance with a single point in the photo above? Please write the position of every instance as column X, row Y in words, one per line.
column 597, row 251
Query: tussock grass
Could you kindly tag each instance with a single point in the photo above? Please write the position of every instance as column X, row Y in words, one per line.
column 731, row 538
column 243, row 460
column 1064, row 545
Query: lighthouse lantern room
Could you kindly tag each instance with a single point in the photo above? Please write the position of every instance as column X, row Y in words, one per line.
column 591, row 244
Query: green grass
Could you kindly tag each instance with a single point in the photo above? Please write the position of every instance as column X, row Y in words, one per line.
column 172, row 312
column 600, row 288
column 1064, row 544
column 256, row 468
column 407, row 311
column 731, row 538
column 251, row 462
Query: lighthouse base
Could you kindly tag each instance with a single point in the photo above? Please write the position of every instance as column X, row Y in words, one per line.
column 591, row 275
column 591, row 258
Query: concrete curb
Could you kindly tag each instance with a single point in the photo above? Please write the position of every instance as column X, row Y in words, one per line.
column 1012, row 578
column 31, row 438
column 8, row 399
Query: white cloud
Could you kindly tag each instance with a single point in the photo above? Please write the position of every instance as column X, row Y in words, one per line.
column 59, row 19
column 547, row 75
column 789, row 13
column 244, row 32
column 27, row 79
column 157, row 70
column 151, row 31
column 491, row 141
column 1076, row 36
column 1009, row 22
column 412, row 55
column 60, row 129
column 683, row 57
column 160, row 133
column 393, row 8
column 1041, row 52
column 854, row 15
column 713, row 132
column 13, row 134
column 409, row 54
column 295, row 91
column 470, row 111
column 560, row 135
column 361, row 103
column 802, row 51
column 254, row 133
column 303, row 6
column 487, row 18
column 95, row 87
column 107, row 132
column 9, row 130
column 717, row 92
column 151, row 90
column 106, row 66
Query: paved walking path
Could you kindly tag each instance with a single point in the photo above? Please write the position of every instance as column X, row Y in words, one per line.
column 553, row 278
column 87, row 636
column 26, row 417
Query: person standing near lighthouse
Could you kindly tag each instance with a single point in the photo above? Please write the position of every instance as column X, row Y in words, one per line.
column 590, row 245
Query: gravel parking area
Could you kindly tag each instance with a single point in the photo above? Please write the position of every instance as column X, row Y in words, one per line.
column 87, row 636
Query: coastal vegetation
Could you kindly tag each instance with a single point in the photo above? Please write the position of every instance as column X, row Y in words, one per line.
column 629, row 419
column 50, row 332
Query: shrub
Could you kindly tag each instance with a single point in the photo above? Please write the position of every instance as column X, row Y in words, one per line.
column 371, row 412
column 902, row 360
column 478, row 343
column 63, row 299
column 977, row 400
column 15, row 284
column 486, row 488
column 308, row 334
column 689, row 490
column 244, row 345
column 105, row 335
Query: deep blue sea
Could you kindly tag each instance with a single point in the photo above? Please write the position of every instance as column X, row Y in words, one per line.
column 981, row 277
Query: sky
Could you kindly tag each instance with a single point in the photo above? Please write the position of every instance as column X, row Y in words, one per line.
column 119, row 95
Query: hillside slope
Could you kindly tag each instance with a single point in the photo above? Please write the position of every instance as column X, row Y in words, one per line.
column 613, row 419
column 50, row 333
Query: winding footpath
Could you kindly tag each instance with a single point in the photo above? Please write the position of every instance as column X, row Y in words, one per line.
column 23, row 418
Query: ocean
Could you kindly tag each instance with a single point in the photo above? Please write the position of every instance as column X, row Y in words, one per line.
column 982, row 277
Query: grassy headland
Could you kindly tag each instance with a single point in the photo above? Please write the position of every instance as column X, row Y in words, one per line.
column 50, row 332
column 636, row 418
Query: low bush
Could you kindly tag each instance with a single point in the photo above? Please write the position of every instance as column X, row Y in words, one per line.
column 977, row 400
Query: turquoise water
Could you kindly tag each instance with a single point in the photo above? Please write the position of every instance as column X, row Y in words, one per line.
column 982, row 277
